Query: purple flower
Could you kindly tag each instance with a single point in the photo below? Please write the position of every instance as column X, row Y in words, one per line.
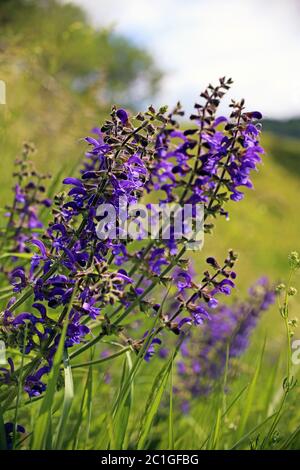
column 9, row 430
column 183, row 280
column 75, row 331
column 33, row 384
column 151, row 350
column 18, row 278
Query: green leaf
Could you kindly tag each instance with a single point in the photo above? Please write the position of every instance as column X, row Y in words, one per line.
column 290, row 439
column 171, row 422
column 16, row 255
column 153, row 403
column 5, row 296
column 120, row 422
column 68, row 399
column 221, row 399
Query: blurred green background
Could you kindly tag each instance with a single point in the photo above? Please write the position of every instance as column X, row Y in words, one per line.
column 62, row 75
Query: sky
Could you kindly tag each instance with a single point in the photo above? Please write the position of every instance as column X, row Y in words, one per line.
column 194, row 42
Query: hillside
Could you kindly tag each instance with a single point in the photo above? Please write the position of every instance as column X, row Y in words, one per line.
column 287, row 128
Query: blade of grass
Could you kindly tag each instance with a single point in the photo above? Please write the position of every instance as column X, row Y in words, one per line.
column 55, row 182
column 197, row 430
column 253, row 430
column 16, row 255
column 221, row 405
column 288, row 442
column 139, row 360
column 104, row 359
column 81, row 411
column 217, row 427
column 154, row 399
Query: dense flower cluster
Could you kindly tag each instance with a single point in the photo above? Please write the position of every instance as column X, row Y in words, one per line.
column 95, row 284
column 227, row 334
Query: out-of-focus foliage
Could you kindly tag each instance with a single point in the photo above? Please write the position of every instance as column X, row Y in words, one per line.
column 61, row 75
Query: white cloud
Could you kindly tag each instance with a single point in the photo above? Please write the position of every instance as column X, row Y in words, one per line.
column 256, row 42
